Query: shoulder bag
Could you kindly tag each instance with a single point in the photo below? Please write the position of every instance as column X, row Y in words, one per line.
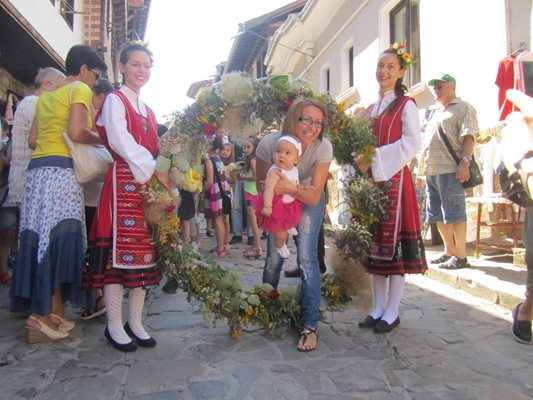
column 91, row 161
column 475, row 174
column 514, row 182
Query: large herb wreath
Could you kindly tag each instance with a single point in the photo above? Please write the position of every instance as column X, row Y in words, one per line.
column 245, row 106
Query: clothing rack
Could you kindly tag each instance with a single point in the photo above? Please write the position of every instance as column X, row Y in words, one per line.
column 520, row 49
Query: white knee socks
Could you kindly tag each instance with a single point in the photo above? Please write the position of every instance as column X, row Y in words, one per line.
column 113, row 297
column 396, row 285
column 379, row 284
column 136, row 304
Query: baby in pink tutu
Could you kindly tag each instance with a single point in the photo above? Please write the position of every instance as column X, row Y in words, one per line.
column 279, row 214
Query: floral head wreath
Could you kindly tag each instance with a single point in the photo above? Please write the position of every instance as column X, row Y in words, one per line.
column 139, row 42
column 401, row 50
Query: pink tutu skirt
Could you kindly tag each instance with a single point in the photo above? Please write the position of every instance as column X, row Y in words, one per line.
column 284, row 215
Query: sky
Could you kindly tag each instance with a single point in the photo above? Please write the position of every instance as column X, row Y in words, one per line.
column 188, row 39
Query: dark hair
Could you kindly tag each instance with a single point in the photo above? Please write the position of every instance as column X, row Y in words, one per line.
column 103, row 86
column 247, row 159
column 292, row 119
column 399, row 88
column 130, row 48
column 217, row 143
column 79, row 55
column 161, row 129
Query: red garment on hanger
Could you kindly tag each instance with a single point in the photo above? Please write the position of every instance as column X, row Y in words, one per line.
column 506, row 80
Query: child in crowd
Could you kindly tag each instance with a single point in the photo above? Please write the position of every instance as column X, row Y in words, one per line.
column 228, row 161
column 214, row 189
column 250, row 192
column 279, row 214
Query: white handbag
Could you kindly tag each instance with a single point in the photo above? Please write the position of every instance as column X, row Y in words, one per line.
column 91, row 161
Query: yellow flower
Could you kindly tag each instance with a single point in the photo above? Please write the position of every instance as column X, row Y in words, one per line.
column 406, row 57
column 249, row 310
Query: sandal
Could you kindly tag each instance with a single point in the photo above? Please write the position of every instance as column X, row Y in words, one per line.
column 304, row 336
column 64, row 324
column 43, row 333
column 5, row 278
column 96, row 311
column 253, row 252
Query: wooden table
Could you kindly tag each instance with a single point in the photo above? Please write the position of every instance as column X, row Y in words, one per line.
column 508, row 220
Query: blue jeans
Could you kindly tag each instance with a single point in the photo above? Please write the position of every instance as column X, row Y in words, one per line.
column 237, row 210
column 308, row 230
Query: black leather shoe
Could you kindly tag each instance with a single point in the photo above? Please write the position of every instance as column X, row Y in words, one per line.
column 128, row 347
column 383, row 326
column 369, row 322
column 150, row 342
column 235, row 240
column 293, row 273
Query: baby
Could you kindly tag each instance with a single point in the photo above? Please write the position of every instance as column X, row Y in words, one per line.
column 279, row 214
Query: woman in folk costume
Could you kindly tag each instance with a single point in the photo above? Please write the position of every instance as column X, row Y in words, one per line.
column 397, row 244
column 121, row 252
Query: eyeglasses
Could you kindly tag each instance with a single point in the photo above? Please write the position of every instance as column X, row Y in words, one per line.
column 309, row 121
column 97, row 74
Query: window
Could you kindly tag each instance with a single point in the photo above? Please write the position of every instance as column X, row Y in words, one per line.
column 260, row 67
column 327, row 80
column 350, row 67
column 67, row 11
column 405, row 27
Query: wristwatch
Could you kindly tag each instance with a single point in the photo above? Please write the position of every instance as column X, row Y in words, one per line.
column 466, row 160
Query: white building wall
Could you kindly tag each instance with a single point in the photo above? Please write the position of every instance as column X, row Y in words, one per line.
column 466, row 39
column 47, row 20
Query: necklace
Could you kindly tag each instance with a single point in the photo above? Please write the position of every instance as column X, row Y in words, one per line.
column 144, row 119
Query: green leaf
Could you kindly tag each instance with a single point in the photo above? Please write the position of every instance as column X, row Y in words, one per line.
column 162, row 164
column 175, row 176
column 176, row 149
column 183, row 164
column 254, row 300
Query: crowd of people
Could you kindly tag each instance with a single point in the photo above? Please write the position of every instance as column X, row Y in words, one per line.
column 87, row 243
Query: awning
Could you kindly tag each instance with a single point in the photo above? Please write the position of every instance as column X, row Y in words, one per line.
column 22, row 49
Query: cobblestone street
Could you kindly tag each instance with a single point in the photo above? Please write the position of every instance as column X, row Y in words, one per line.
column 449, row 345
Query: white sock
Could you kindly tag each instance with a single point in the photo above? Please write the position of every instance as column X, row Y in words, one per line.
column 379, row 283
column 396, row 286
column 136, row 304
column 293, row 231
column 113, row 297
column 283, row 251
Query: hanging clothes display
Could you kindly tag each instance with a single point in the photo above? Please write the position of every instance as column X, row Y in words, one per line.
column 506, row 80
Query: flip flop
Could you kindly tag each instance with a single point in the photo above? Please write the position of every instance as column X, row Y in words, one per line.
column 95, row 312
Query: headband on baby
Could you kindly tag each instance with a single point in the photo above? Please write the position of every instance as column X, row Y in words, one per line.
column 292, row 140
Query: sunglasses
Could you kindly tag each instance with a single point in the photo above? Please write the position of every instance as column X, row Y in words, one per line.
column 97, row 74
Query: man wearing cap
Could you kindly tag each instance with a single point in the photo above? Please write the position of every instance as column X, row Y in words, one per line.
column 446, row 204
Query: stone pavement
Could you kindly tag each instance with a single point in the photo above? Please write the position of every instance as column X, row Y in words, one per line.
column 449, row 345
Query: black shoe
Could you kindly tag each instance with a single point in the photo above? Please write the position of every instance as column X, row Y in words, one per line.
column 521, row 329
column 128, row 347
column 293, row 273
column 383, row 326
column 150, row 342
column 208, row 233
column 369, row 322
column 440, row 259
column 250, row 240
column 235, row 240
column 171, row 287
column 455, row 263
